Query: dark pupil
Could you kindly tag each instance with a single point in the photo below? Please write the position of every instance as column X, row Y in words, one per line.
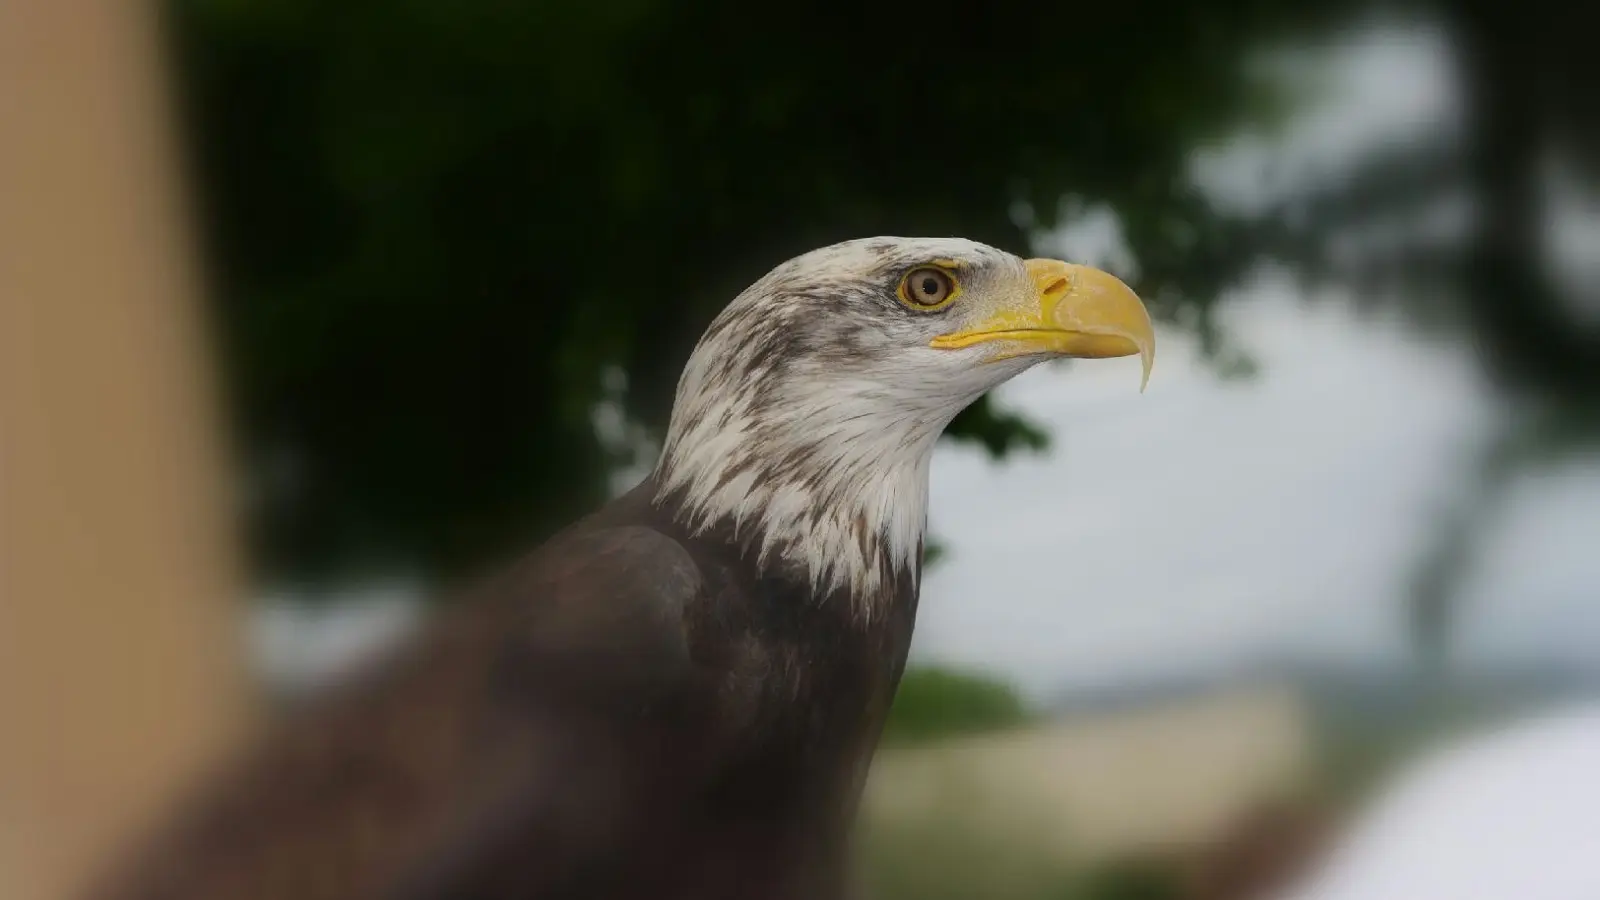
column 930, row 286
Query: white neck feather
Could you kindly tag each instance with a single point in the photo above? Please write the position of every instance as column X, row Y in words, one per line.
column 830, row 481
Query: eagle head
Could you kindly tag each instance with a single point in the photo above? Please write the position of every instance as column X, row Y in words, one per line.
column 806, row 416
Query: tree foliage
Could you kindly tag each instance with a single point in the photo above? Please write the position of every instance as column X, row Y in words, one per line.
column 935, row 702
column 440, row 233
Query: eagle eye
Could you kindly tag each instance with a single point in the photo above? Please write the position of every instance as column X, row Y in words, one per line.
column 927, row 286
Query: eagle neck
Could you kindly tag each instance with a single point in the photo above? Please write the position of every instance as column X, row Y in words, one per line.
column 845, row 516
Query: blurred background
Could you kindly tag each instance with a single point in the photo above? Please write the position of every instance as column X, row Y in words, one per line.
column 310, row 310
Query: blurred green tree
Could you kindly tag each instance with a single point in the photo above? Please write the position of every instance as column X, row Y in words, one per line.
column 935, row 702
column 441, row 233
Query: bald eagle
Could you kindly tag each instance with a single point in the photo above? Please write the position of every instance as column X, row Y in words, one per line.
column 679, row 695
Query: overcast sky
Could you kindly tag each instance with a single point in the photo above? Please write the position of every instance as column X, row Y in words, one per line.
column 1209, row 521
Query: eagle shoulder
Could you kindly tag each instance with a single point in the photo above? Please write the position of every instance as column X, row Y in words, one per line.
column 524, row 735
column 614, row 601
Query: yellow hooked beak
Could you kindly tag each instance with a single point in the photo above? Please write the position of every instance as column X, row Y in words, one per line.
column 1076, row 311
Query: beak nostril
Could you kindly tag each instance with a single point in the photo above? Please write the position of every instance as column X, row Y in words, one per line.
column 1056, row 287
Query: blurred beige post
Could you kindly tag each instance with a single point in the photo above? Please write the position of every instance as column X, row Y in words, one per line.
column 120, row 669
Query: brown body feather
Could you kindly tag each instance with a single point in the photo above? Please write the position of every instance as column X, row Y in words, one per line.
column 630, row 711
